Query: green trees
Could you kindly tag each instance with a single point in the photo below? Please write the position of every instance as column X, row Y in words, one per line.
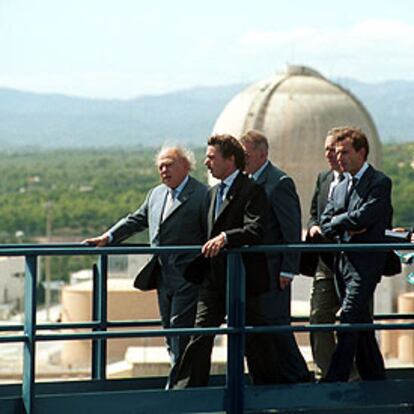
column 91, row 189
column 399, row 165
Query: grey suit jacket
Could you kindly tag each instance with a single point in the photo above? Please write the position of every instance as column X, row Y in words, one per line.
column 320, row 197
column 283, row 220
column 309, row 260
column 185, row 224
column 369, row 209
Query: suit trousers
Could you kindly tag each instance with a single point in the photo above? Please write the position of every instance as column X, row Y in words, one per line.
column 281, row 362
column 324, row 307
column 177, row 310
column 194, row 369
column 356, row 291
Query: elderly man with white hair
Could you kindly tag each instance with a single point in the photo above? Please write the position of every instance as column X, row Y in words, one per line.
column 175, row 214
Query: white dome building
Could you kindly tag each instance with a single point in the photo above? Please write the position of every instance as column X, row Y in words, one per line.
column 295, row 109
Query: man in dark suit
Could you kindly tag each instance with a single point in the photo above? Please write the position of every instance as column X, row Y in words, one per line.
column 324, row 300
column 359, row 211
column 235, row 218
column 283, row 226
column 175, row 213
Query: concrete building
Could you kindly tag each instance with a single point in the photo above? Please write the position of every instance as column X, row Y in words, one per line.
column 11, row 285
column 295, row 109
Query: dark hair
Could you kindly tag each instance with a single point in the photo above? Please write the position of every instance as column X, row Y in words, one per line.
column 229, row 146
column 356, row 136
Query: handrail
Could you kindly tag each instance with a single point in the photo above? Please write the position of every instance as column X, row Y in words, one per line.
column 99, row 333
column 62, row 249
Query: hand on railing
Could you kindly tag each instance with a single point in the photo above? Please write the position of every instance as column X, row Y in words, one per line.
column 213, row 246
column 99, row 241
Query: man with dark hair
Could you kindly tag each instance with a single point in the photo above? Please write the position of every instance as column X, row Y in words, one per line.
column 174, row 212
column 235, row 218
column 359, row 211
column 283, row 226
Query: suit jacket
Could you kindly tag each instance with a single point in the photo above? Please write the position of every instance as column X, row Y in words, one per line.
column 242, row 216
column 184, row 225
column 369, row 209
column 283, row 220
column 309, row 261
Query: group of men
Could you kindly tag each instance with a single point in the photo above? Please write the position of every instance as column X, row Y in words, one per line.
column 257, row 203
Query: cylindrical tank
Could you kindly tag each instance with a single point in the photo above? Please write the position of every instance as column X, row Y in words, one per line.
column 295, row 109
column 406, row 337
column 124, row 303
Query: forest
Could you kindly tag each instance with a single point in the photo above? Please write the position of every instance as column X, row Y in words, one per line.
column 84, row 191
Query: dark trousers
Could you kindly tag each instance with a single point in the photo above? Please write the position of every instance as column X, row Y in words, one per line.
column 194, row 368
column 356, row 292
column 177, row 310
column 281, row 362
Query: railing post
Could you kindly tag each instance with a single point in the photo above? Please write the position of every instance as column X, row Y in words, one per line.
column 235, row 342
column 99, row 314
column 29, row 347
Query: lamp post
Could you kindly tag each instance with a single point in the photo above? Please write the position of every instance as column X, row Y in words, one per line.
column 49, row 218
column 19, row 235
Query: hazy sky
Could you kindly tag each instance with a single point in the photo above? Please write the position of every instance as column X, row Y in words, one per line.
column 125, row 48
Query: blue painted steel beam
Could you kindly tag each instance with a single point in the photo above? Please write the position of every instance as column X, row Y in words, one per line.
column 136, row 334
column 157, row 322
column 100, row 314
column 13, row 338
column 201, row 400
column 236, row 300
column 330, row 396
column 64, row 250
column 220, row 331
column 29, row 347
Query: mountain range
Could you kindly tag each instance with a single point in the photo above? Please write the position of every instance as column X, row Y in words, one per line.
column 33, row 120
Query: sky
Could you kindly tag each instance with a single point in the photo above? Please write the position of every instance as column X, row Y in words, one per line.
column 126, row 48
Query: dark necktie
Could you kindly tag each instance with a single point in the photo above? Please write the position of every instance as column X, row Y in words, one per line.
column 220, row 197
column 351, row 189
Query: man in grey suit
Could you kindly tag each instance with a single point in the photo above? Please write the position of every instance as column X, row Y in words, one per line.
column 175, row 212
column 283, row 226
column 324, row 300
column 359, row 211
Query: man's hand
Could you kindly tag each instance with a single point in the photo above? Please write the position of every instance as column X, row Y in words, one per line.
column 213, row 246
column 284, row 282
column 399, row 229
column 97, row 241
column 412, row 238
column 315, row 231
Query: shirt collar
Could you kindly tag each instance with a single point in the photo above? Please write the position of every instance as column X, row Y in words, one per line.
column 177, row 190
column 258, row 172
column 362, row 170
column 336, row 174
column 230, row 179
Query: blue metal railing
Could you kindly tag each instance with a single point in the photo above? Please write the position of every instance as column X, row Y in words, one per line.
column 99, row 334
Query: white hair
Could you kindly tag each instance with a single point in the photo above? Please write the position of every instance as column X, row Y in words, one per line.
column 183, row 152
